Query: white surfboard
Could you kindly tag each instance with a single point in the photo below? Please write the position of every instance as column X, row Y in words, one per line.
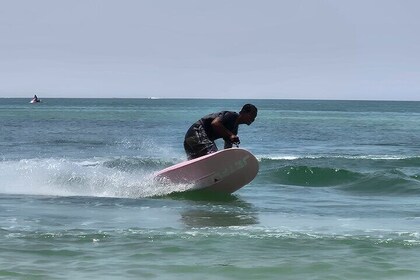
column 224, row 171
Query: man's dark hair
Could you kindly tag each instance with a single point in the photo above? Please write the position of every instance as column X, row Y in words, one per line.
column 249, row 108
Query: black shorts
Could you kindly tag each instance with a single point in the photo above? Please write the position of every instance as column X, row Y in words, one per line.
column 197, row 143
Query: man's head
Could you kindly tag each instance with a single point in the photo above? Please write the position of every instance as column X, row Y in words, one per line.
column 248, row 113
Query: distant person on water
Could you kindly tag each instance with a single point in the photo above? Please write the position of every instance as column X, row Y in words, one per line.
column 200, row 137
column 35, row 99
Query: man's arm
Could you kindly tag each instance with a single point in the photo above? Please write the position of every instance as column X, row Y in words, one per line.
column 226, row 134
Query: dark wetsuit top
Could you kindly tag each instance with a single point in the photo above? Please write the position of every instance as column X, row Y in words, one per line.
column 199, row 139
column 228, row 120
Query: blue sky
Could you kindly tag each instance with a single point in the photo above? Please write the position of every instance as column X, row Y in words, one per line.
column 211, row 49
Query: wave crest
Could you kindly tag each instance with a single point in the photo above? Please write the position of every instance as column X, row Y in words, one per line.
column 311, row 176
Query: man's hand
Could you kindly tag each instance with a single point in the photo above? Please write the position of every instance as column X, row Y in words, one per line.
column 234, row 139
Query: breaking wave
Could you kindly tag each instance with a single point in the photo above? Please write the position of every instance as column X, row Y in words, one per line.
column 364, row 175
column 132, row 177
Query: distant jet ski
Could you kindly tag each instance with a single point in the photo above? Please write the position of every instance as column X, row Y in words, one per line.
column 35, row 99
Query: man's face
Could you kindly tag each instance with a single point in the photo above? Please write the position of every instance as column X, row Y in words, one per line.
column 250, row 117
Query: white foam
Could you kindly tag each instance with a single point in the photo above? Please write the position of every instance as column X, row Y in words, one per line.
column 356, row 157
column 63, row 177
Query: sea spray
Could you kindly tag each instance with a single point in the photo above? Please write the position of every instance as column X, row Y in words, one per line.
column 129, row 178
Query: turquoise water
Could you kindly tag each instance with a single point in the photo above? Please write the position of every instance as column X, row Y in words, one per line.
column 337, row 195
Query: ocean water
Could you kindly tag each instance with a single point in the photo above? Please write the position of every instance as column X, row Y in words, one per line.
column 336, row 197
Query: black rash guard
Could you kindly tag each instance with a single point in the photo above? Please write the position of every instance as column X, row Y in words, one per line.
column 228, row 120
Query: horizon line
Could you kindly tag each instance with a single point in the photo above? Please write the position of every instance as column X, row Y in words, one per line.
column 213, row 98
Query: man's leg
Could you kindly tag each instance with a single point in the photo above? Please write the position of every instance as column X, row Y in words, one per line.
column 197, row 144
